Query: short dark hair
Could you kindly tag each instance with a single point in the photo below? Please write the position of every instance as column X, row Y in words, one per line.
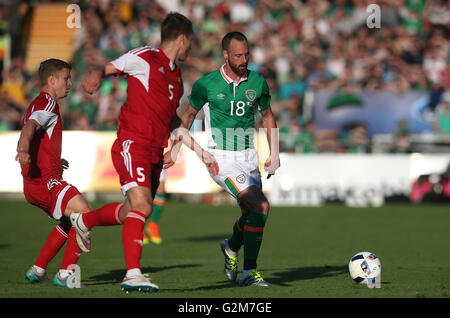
column 230, row 36
column 175, row 24
column 51, row 67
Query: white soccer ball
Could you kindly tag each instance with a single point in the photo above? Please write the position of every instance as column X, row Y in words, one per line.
column 364, row 266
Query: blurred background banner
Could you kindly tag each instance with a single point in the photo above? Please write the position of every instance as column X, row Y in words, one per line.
column 303, row 179
column 380, row 112
column 91, row 168
column 356, row 179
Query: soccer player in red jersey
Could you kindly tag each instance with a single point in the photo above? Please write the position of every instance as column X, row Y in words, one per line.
column 39, row 153
column 154, row 89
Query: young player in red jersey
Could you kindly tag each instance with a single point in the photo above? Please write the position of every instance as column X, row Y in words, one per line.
column 39, row 153
column 154, row 90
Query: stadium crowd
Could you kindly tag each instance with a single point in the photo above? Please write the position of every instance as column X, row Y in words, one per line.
column 299, row 46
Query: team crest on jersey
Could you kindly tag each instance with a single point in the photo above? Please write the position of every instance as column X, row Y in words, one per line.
column 52, row 182
column 250, row 94
column 240, row 178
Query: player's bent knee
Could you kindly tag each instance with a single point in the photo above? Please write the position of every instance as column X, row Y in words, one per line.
column 77, row 204
column 254, row 200
column 262, row 207
column 142, row 205
column 265, row 207
column 140, row 199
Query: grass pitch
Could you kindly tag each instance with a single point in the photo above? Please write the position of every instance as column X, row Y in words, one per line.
column 305, row 253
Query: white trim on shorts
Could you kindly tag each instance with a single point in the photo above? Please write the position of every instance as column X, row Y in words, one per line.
column 128, row 186
column 57, row 212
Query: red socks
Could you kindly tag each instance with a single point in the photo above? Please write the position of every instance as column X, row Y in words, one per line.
column 72, row 252
column 106, row 215
column 55, row 241
column 132, row 238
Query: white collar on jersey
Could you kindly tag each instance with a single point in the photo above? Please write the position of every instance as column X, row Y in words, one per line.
column 228, row 79
column 172, row 65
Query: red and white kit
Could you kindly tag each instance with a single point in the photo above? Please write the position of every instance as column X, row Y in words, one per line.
column 154, row 89
column 42, row 178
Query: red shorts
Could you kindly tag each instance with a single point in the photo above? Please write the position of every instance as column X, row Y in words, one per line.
column 52, row 197
column 137, row 164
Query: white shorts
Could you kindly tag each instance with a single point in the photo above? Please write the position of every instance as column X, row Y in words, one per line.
column 238, row 170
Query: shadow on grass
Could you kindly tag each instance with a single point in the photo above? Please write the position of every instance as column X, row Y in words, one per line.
column 116, row 275
column 278, row 278
column 305, row 273
column 212, row 286
column 207, row 238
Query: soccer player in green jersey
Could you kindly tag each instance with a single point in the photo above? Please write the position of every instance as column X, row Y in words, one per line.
column 230, row 98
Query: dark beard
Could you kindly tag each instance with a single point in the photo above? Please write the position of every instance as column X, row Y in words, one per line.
column 236, row 69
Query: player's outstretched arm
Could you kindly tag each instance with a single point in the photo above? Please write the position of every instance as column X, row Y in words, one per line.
column 23, row 145
column 93, row 79
column 268, row 121
column 180, row 130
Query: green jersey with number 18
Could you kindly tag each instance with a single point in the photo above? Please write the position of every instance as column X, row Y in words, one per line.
column 230, row 107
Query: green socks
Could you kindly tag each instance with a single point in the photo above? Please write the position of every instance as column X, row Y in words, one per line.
column 253, row 234
column 248, row 232
column 158, row 205
column 237, row 239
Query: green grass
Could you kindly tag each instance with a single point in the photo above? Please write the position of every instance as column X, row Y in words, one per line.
column 305, row 253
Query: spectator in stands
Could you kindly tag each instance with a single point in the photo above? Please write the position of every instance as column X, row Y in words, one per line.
column 14, row 85
column 3, row 41
column 10, row 114
column 320, row 77
column 434, row 62
column 295, row 86
column 437, row 12
column 79, row 121
column 240, row 11
column 307, row 138
column 442, row 115
column 355, row 140
column 431, row 188
column 420, row 187
column 83, row 105
column 298, row 46
column 401, row 142
column 327, row 141
column 445, row 182
column 289, row 133
column 110, row 101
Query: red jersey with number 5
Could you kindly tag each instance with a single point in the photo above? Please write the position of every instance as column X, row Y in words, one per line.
column 45, row 147
column 154, row 90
